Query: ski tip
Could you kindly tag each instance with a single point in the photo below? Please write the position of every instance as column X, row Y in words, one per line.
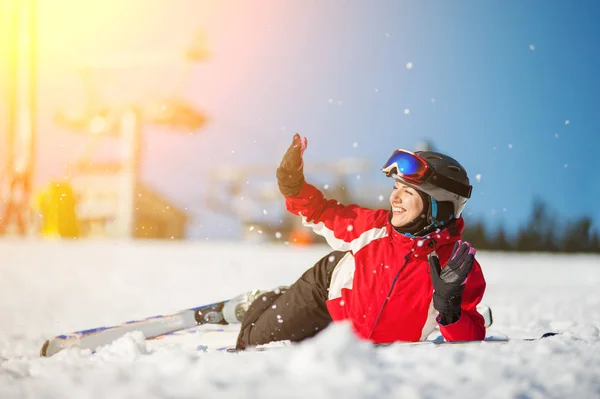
column 44, row 348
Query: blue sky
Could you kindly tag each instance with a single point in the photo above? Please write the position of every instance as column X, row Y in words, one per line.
column 509, row 88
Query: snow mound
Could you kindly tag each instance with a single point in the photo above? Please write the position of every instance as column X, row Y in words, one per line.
column 336, row 348
column 128, row 347
column 336, row 363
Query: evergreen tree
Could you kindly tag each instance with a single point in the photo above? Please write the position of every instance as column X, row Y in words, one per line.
column 595, row 242
column 549, row 239
column 578, row 236
column 538, row 229
column 501, row 242
column 476, row 235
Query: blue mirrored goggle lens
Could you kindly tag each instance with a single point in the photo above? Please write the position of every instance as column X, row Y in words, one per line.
column 407, row 164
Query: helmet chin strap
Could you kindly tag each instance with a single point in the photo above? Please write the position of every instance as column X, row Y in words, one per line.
column 433, row 210
column 432, row 217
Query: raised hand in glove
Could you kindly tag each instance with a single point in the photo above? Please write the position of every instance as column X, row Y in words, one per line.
column 449, row 282
column 290, row 174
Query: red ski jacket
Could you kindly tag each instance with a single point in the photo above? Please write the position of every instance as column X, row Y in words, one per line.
column 382, row 285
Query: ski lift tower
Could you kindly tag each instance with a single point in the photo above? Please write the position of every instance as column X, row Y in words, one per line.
column 109, row 191
column 18, row 76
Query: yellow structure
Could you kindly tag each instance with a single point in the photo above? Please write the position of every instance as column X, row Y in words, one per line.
column 56, row 206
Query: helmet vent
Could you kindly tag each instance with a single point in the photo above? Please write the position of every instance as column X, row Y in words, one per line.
column 454, row 168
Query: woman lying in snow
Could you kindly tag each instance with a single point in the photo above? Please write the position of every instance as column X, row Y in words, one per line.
column 394, row 274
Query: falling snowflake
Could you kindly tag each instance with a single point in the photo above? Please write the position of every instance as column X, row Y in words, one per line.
column 555, row 135
column 326, row 186
column 510, row 146
column 567, row 122
column 277, row 235
column 380, row 198
column 355, row 144
column 409, row 65
column 433, row 100
column 387, row 35
column 406, row 111
column 330, row 100
column 264, row 211
column 357, row 177
column 566, row 165
column 350, row 228
column 331, row 258
column 251, row 228
column 478, row 177
column 531, row 47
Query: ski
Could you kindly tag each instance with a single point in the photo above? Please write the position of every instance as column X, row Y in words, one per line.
column 151, row 327
column 175, row 327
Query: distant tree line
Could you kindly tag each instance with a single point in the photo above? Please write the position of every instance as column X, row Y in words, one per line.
column 541, row 233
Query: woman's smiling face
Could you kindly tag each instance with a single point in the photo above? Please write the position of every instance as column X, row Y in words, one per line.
column 406, row 204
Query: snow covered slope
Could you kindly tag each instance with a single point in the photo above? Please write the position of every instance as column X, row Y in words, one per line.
column 47, row 288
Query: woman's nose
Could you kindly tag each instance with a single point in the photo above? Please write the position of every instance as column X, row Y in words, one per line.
column 397, row 196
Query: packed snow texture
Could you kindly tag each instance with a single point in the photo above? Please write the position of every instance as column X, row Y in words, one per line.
column 48, row 288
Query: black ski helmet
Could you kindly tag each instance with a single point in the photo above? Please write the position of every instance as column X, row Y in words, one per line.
column 447, row 168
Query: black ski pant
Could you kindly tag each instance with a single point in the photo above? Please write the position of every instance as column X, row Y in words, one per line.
column 293, row 313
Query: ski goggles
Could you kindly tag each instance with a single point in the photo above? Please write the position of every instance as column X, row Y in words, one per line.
column 415, row 170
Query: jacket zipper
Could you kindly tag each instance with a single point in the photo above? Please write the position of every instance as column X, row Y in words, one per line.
column 389, row 293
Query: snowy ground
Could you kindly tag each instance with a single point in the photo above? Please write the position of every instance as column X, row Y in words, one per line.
column 47, row 288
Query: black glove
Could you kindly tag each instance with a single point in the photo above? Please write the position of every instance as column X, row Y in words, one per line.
column 290, row 174
column 449, row 282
